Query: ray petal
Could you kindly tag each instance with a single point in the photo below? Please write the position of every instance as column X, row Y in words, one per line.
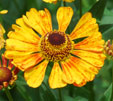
column 56, row 77
column 35, row 76
column 39, row 20
column 85, row 27
column 64, row 16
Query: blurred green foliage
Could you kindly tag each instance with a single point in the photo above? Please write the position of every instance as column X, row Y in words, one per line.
column 98, row 90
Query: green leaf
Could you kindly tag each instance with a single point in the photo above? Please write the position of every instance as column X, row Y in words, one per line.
column 23, row 92
column 79, row 98
column 68, row 98
column 108, row 93
column 105, row 28
column 98, row 9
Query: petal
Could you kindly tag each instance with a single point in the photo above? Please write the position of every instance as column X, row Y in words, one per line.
column 79, row 85
column 15, row 71
column 0, row 64
column 50, row 1
column 3, row 11
column 28, row 61
column 64, row 15
column 35, row 76
column 68, row 0
column 39, row 20
column 93, row 43
column 96, row 59
column 55, row 79
column 87, row 70
column 85, row 27
column 2, row 30
column 16, row 45
column 23, row 33
column 4, row 61
column 10, row 65
column 71, row 74
column 15, row 54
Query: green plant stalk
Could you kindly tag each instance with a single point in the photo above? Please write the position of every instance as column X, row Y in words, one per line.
column 80, row 8
column 60, row 94
column 62, row 3
column 8, row 94
column 92, row 94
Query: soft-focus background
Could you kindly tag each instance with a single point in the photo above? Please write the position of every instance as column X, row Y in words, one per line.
column 98, row 90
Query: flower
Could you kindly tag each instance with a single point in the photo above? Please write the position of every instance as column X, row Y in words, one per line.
column 55, row 1
column 2, row 31
column 108, row 48
column 7, row 73
column 33, row 45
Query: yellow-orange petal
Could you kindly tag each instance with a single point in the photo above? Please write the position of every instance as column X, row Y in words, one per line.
column 16, row 45
column 56, row 77
column 93, row 43
column 68, row 0
column 70, row 73
column 23, row 33
column 64, row 16
column 3, row 11
column 35, row 75
column 85, row 27
column 23, row 63
column 10, row 54
column 87, row 70
column 2, row 30
column 2, row 41
column 39, row 20
column 79, row 85
column 96, row 59
column 0, row 64
column 50, row 1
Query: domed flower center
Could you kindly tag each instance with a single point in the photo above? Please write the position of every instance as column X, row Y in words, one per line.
column 56, row 46
column 56, row 38
column 5, row 75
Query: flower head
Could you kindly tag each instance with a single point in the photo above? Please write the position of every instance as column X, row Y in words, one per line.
column 2, row 31
column 33, row 44
column 55, row 1
column 7, row 75
column 109, row 48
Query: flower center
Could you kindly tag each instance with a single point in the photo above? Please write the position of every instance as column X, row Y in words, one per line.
column 56, row 46
column 56, row 38
column 5, row 75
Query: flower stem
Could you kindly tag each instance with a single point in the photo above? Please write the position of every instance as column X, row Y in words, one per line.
column 8, row 94
column 62, row 3
column 80, row 8
column 92, row 93
column 60, row 94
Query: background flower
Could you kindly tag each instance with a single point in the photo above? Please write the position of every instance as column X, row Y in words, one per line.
column 55, row 1
column 8, row 75
column 2, row 31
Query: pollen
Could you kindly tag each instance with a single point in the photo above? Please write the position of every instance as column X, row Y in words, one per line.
column 5, row 75
column 56, row 46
